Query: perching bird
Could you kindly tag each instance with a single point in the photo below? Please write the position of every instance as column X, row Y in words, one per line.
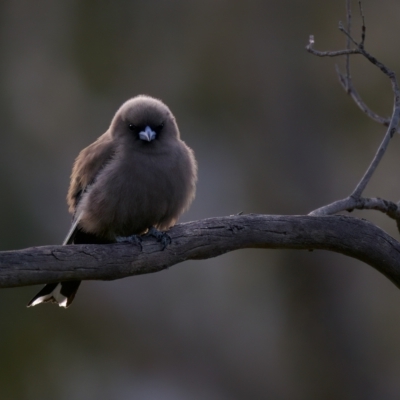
column 137, row 177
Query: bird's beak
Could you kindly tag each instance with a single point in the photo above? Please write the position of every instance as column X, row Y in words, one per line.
column 147, row 134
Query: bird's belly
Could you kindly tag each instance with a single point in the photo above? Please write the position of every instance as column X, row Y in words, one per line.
column 131, row 206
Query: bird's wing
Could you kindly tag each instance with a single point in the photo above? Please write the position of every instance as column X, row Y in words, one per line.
column 87, row 166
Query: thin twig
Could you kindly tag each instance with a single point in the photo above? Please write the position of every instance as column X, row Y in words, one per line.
column 394, row 121
column 363, row 26
column 381, row 151
column 336, row 53
column 348, row 46
column 348, row 86
column 346, row 204
column 355, row 200
column 346, row 80
column 387, row 207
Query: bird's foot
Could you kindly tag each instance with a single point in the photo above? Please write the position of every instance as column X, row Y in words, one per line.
column 161, row 237
column 133, row 239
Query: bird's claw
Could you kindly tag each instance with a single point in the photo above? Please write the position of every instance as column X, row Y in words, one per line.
column 133, row 239
column 161, row 237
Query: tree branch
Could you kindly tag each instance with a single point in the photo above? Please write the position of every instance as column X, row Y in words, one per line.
column 354, row 200
column 200, row 240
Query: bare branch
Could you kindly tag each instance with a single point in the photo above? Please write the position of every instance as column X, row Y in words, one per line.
column 392, row 128
column 346, row 80
column 348, row 86
column 363, row 26
column 200, row 240
column 379, row 154
column 355, row 200
column 347, row 204
column 389, row 208
column 355, row 196
column 310, row 49
column 348, row 46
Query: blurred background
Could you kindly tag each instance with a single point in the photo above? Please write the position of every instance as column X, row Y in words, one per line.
column 273, row 133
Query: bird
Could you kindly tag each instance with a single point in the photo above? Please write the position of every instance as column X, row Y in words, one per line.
column 135, row 179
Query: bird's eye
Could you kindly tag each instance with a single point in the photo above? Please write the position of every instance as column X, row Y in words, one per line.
column 159, row 127
column 132, row 127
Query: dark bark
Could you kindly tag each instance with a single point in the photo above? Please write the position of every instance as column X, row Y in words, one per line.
column 200, row 240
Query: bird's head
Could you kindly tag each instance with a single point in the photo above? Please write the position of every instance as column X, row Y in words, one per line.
column 145, row 121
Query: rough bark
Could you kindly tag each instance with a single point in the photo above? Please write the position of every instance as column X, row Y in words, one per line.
column 200, row 240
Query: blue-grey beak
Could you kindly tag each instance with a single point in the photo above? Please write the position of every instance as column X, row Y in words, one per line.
column 147, row 134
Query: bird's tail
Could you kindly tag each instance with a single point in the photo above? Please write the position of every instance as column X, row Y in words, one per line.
column 61, row 293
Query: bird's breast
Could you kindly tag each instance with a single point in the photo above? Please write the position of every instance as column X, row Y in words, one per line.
column 131, row 195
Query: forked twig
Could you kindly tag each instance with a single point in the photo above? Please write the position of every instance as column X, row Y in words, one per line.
column 346, row 80
column 348, row 45
column 355, row 200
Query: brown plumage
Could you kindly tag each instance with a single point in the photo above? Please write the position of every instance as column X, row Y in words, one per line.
column 136, row 176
